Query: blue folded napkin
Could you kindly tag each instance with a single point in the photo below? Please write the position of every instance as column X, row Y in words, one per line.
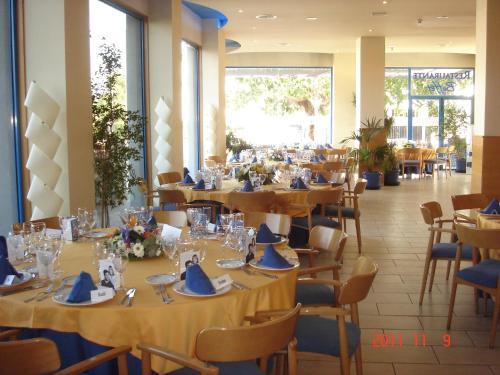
column 217, row 223
column 247, row 186
column 187, row 179
column 328, row 145
column 197, row 281
column 81, row 289
column 306, row 147
column 493, row 208
column 321, row 179
column 299, row 184
column 254, row 160
column 264, row 235
column 322, row 157
column 3, row 248
column 235, row 158
column 152, row 222
column 273, row 259
column 7, row 269
column 289, row 160
column 200, row 185
column 314, row 159
column 321, row 147
column 185, row 172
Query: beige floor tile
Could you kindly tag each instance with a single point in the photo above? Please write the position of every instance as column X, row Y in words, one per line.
column 417, row 369
column 457, row 323
column 368, row 308
column 412, row 309
column 399, row 354
column 333, row 368
column 402, row 288
column 482, row 339
column 496, row 370
column 386, row 322
column 444, row 299
column 472, row 356
column 388, row 298
column 388, row 279
column 415, row 338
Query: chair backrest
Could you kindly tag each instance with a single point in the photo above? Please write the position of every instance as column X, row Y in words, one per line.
column 174, row 218
column 431, row 211
column 307, row 165
column 333, row 166
column 257, row 201
column 480, row 238
column 360, row 186
column 247, row 342
column 428, row 154
column 357, row 287
column 210, row 163
column 217, row 159
column 277, row 223
column 409, row 153
column 442, row 150
column 171, row 196
column 328, row 239
column 468, row 201
column 50, row 222
column 327, row 196
column 29, row 357
column 169, row 178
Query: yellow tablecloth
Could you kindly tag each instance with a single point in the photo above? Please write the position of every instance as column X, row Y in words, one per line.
column 172, row 326
column 490, row 222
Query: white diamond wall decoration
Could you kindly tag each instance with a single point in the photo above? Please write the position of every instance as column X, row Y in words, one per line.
column 162, row 144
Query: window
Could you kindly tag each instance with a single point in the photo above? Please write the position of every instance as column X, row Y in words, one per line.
column 279, row 105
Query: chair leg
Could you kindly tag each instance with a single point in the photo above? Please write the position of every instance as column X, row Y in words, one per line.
column 485, row 302
column 452, row 303
column 494, row 323
column 358, row 233
column 476, row 300
column 359, row 361
column 448, row 268
column 433, row 271
column 424, row 280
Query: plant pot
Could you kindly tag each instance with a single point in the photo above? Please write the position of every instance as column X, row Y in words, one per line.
column 461, row 165
column 372, row 180
column 391, row 178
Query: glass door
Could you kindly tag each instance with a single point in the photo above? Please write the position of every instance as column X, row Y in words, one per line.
column 425, row 122
column 457, row 119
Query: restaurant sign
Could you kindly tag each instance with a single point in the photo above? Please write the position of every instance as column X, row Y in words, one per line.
column 442, row 83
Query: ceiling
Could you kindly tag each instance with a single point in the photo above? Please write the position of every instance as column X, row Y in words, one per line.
column 340, row 22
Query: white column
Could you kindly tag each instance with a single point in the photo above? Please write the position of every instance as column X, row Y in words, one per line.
column 370, row 65
column 344, row 110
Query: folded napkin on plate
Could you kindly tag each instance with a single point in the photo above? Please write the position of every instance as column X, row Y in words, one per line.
column 321, row 179
column 328, row 145
column 197, row 281
column 254, row 160
column 4, row 253
column 200, row 185
column 314, row 159
column 273, row 259
column 264, row 235
column 289, row 160
column 321, row 147
column 247, row 187
column 187, row 179
column 493, row 208
column 322, row 157
column 81, row 289
column 7, row 269
column 299, row 184
column 185, row 172
column 152, row 222
column 235, row 158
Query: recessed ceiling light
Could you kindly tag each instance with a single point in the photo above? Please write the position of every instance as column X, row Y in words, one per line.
column 266, row 17
column 442, row 17
column 312, row 18
column 254, row 28
column 385, row 2
column 370, row 30
column 285, row 44
column 240, row 10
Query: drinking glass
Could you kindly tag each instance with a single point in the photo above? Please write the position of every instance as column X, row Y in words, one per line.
column 91, row 219
column 238, row 220
column 82, row 220
column 27, row 235
column 263, row 178
column 38, row 232
column 225, row 222
column 17, row 247
column 252, row 175
column 54, row 244
column 169, row 249
column 120, row 261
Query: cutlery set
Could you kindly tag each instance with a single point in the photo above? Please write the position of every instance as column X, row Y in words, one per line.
column 128, row 298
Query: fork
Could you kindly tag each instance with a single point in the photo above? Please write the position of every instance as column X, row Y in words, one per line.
column 255, row 273
column 41, row 295
column 164, row 295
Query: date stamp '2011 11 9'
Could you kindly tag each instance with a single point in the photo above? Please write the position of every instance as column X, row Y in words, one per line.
column 391, row 340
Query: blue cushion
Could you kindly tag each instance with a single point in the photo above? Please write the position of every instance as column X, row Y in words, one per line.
column 349, row 212
column 226, row 368
column 316, row 220
column 316, row 334
column 484, row 273
column 449, row 250
column 314, row 294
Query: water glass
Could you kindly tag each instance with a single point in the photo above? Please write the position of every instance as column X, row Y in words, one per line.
column 120, row 262
column 82, row 220
column 15, row 248
column 170, row 251
column 91, row 219
column 238, row 220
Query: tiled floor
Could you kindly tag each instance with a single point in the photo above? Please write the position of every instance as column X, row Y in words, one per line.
column 395, row 236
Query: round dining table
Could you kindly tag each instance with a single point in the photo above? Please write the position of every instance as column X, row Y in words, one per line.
column 149, row 320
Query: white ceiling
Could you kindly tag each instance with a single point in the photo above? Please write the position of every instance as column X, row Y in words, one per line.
column 342, row 21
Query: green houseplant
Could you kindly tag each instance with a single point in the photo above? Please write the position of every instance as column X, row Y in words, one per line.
column 390, row 165
column 455, row 124
column 117, row 134
column 235, row 144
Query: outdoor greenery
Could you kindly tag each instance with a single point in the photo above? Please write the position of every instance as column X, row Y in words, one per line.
column 117, row 134
column 235, row 144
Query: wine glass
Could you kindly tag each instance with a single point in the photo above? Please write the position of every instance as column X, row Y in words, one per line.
column 27, row 235
column 91, row 219
column 225, row 222
column 120, row 262
column 38, row 229
column 169, row 249
column 82, row 220
column 17, row 247
column 54, row 245
column 263, row 178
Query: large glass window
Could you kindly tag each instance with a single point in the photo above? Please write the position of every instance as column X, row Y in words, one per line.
column 279, row 105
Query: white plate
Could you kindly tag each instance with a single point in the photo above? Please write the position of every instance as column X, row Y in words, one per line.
column 162, row 279
column 229, row 263
column 282, row 241
column 180, row 288
column 62, row 296
column 26, row 277
column 96, row 235
column 295, row 263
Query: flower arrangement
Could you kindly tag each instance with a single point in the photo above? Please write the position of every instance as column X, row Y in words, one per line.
column 139, row 242
column 276, row 155
column 242, row 175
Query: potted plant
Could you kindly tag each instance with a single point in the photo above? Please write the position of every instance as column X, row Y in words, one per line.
column 460, row 151
column 390, row 166
column 455, row 126
column 235, row 145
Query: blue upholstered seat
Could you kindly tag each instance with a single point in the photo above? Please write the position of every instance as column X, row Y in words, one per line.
column 485, row 273
column 316, row 220
column 449, row 250
column 226, row 368
column 348, row 212
column 314, row 294
column 316, row 334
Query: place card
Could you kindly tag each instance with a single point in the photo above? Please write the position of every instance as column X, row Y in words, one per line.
column 211, row 227
column 222, row 281
column 170, row 233
column 101, row 294
column 70, row 228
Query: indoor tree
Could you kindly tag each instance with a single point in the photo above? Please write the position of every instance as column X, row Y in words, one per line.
column 117, row 134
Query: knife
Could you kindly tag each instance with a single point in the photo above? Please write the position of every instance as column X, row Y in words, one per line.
column 131, row 295
column 125, row 297
column 30, row 287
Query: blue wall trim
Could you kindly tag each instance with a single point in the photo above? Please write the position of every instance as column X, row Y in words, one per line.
column 207, row 13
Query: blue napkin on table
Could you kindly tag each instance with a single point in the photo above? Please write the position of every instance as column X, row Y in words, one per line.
column 187, row 179
column 299, row 184
column 314, row 159
column 322, row 157
column 273, row 259
column 254, row 160
column 493, row 208
column 264, row 235
column 289, row 160
column 185, row 171
column 81, row 289
column 235, row 158
column 247, row 187
column 7, row 269
column 321, row 179
column 3, row 248
column 321, row 147
column 328, row 145
column 200, row 185
column 217, row 224
column 197, row 281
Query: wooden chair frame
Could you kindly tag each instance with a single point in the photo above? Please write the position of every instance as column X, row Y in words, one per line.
column 257, row 201
column 277, row 223
column 174, row 218
column 50, row 222
column 169, row 178
column 177, row 197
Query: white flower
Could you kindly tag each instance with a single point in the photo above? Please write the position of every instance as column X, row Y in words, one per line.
column 120, row 244
column 138, row 250
column 139, row 229
column 158, row 252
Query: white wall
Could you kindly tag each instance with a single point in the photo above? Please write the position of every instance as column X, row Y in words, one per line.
column 279, row 59
column 454, row 60
column 191, row 26
column 344, row 111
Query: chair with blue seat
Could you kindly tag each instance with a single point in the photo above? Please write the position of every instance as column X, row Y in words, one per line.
column 230, row 351
column 484, row 275
column 437, row 250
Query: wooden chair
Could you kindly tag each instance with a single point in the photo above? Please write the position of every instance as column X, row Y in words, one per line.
column 40, row 356
column 349, row 167
column 337, row 153
column 469, row 201
column 174, row 218
column 177, row 198
column 437, row 250
column 350, row 211
column 323, row 198
column 443, row 157
column 277, row 223
column 333, row 166
column 50, row 222
column 149, row 195
column 257, row 201
column 429, row 161
column 410, row 157
column 217, row 159
column 229, row 347
column 169, row 178
column 484, row 276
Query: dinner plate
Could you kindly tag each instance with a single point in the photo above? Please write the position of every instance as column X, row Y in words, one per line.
column 26, row 278
column 295, row 263
column 282, row 241
column 62, row 296
column 96, row 234
column 180, row 288
column 230, row 263
column 184, row 184
column 161, row 279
